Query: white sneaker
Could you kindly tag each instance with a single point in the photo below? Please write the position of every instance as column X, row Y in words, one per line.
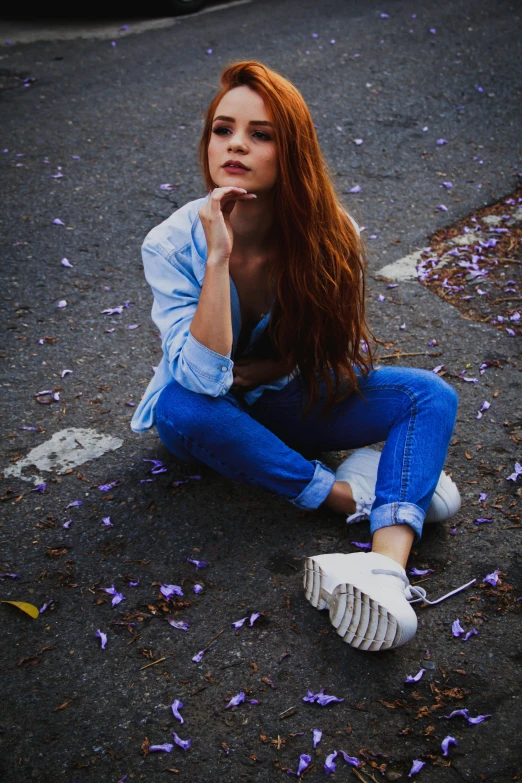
column 360, row 472
column 370, row 609
column 368, row 596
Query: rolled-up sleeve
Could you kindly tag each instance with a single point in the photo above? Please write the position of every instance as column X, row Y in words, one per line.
column 176, row 296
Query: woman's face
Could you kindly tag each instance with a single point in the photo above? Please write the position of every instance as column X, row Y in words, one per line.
column 242, row 132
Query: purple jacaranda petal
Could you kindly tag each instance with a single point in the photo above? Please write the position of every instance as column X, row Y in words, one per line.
column 316, row 737
column 39, row 488
column 133, row 326
column 517, row 472
column 515, row 317
column 358, row 142
column 310, row 696
column 361, row 544
column 511, row 332
column 107, row 522
column 65, row 262
column 32, row 429
column 61, row 304
column 492, row 578
column 402, row 326
column 254, row 617
column 198, row 563
column 447, row 185
column 10, row 576
column 355, row 189
column 482, row 497
column 107, row 487
column 185, row 744
column 463, row 712
column 416, row 767
column 159, row 467
column 65, row 372
column 103, row 638
column 235, row 700
column 304, row 762
column 478, row 719
column 67, row 524
column 440, row 142
column 442, row 207
column 323, row 699
column 75, row 503
column 421, row 571
column 446, row 742
column 58, row 222
column 473, row 632
column 209, row 51
column 76, row 157
column 253, row 701
column 481, row 521
column 118, row 310
column 46, row 605
column 239, row 623
column 433, row 30
column 167, row 186
column 176, row 706
column 134, row 584
column 198, row 589
column 485, row 406
column 197, row 658
column 181, row 625
column 329, row 764
column 56, row 396
column 352, row 760
column 416, row 677
column 166, row 748
column 381, row 298
column 438, row 368
column 385, row 16
column 117, row 597
column 457, row 629
column 169, row 590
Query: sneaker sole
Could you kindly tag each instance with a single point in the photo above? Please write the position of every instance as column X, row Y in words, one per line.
column 361, row 621
column 313, row 585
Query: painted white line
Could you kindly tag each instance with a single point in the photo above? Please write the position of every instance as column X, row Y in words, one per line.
column 24, row 32
column 403, row 269
column 66, row 449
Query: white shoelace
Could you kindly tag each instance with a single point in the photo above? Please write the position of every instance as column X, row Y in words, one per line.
column 363, row 510
column 419, row 592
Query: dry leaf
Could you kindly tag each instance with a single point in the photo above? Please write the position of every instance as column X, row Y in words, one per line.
column 62, row 706
column 29, row 609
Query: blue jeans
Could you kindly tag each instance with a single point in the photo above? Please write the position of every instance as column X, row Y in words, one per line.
column 265, row 444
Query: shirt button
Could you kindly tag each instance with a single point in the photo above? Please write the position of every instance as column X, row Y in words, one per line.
column 224, row 369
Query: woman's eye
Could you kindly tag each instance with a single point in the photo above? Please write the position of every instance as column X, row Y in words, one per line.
column 222, row 131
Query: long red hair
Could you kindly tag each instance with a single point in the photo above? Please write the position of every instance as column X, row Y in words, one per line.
column 318, row 322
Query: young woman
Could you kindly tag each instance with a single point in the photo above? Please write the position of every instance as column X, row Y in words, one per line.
column 259, row 298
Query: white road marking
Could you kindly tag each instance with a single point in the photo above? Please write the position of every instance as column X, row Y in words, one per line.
column 66, row 449
column 25, row 32
column 403, row 269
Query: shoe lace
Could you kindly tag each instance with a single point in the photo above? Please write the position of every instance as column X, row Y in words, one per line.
column 413, row 593
column 363, row 510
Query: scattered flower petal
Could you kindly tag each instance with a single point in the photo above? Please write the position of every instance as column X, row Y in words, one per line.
column 416, row 767
column 102, row 637
column 185, row 744
column 176, row 706
column 198, row 563
column 492, row 578
column 446, row 742
column 168, row 591
column 416, row 677
column 236, row 700
column 166, row 747
column 181, row 625
column 316, row 737
column 198, row 589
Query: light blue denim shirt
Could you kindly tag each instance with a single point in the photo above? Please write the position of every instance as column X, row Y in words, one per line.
column 174, row 260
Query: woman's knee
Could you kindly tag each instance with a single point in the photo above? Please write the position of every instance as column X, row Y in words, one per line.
column 178, row 405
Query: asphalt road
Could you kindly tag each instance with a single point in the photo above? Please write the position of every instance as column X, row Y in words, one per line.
column 117, row 121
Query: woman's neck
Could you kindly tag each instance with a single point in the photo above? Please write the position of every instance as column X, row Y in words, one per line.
column 252, row 223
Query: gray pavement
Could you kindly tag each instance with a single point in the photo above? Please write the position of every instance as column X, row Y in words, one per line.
column 119, row 121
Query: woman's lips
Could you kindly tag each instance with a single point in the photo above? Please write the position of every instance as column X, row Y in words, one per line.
column 235, row 169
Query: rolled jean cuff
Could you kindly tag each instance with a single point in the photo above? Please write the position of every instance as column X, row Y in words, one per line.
column 398, row 514
column 318, row 489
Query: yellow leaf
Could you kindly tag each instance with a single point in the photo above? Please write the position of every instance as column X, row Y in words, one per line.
column 29, row 609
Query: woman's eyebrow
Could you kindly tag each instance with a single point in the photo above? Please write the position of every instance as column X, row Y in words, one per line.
column 252, row 122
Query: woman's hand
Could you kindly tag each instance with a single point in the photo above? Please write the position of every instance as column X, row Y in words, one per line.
column 215, row 217
column 249, row 373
